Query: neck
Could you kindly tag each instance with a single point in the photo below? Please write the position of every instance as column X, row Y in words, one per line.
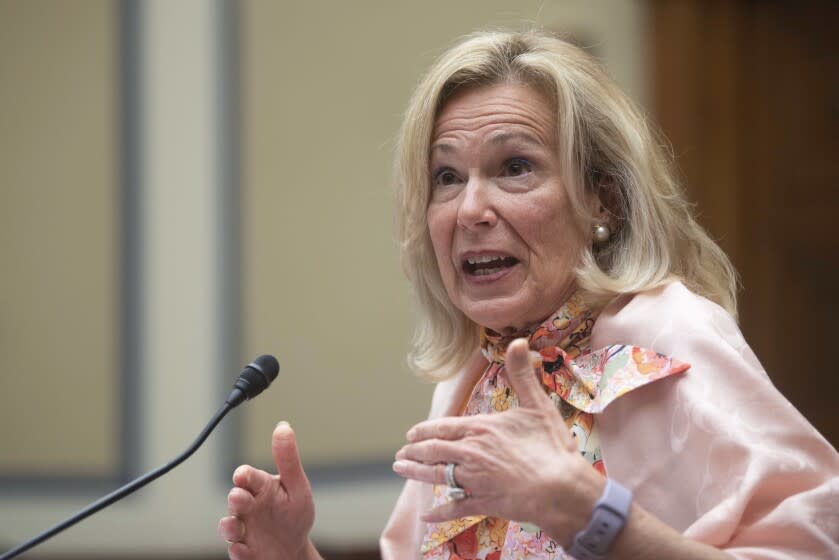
column 527, row 326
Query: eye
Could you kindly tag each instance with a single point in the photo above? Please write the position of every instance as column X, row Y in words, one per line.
column 516, row 167
column 445, row 177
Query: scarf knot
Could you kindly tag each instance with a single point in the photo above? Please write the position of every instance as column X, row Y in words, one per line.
column 568, row 330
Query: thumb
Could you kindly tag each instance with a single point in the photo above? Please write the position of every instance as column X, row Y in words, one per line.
column 287, row 459
column 522, row 376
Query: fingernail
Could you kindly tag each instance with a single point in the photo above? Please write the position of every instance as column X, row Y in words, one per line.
column 283, row 424
column 400, row 466
column 400, row 454
column 412, row 433
column 522, row 342
column 518, row 347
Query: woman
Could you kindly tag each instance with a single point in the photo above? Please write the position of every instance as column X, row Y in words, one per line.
column 632, row 420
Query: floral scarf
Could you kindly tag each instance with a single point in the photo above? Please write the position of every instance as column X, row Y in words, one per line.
column 581, row 383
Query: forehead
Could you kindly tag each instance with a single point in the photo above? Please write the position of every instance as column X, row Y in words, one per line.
column 501, row 106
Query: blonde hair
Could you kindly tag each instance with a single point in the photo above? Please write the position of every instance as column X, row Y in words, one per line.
column 606, row 147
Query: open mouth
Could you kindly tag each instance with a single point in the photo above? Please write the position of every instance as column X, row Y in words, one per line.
column 487, row 264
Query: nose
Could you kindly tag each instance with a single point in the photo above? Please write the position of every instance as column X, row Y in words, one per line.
column 476, row 209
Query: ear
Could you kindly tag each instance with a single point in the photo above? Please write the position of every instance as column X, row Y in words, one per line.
column 604, row 204
column 597, row 210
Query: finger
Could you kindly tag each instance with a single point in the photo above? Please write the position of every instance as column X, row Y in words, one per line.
column 231, row 529
column 252, row 480
column 435, row 474
column 432, row 451
column 238, row 551
column 522, row 375
column 239, row 501
column 287, row 459
column 450, row 428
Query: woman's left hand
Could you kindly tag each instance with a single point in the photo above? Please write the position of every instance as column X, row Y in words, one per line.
column 521, row 464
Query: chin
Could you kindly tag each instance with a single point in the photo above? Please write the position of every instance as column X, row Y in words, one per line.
column 499, row 316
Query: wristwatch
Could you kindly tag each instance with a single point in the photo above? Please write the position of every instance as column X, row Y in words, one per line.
column 607, row 521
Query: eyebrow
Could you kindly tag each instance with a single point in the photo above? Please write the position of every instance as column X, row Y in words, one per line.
column 500, row 138
column 445, row 148
column 504, row 137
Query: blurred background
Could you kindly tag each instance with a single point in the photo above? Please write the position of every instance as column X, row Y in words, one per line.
column 185, row 185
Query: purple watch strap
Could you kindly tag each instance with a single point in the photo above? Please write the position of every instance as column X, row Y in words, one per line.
column 607, row 520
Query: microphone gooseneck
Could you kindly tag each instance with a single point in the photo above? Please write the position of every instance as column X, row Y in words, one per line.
column 254, row 379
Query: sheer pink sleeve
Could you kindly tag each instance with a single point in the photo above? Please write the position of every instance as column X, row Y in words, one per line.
column 403, row 534
column 717, row 452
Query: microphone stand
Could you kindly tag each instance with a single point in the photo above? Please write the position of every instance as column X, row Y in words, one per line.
column 254, row 379
column 125, row 490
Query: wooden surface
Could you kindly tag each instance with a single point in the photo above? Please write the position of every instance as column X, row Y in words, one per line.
column 748, row 94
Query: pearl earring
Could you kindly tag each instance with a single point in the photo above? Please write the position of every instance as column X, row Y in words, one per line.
column 602, row 233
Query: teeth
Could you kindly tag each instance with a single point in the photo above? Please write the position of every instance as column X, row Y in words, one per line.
column 483, row 259
column 487, row 271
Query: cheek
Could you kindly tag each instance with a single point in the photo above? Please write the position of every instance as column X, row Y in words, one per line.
column 440, row 232
column 554, row 238
column 567, row 253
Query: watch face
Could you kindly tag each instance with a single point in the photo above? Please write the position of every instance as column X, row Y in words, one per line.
column 607, row 521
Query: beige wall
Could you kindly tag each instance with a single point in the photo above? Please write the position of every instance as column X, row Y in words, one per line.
column 324, row 84
column 59, row 234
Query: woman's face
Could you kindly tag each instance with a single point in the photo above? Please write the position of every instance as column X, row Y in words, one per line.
column 499, row 218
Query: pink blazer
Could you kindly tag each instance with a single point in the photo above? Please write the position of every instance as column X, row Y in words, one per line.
column 717, row 452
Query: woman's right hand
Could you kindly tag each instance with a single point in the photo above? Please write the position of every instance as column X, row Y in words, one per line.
column 271, row 515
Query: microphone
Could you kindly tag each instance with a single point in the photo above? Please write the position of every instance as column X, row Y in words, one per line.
column 254, row 379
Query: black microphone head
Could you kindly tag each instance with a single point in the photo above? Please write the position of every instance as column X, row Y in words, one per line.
column 268, row 365
column 257, row 375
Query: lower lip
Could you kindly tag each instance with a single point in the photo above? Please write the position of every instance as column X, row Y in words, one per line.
column 489, row 278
